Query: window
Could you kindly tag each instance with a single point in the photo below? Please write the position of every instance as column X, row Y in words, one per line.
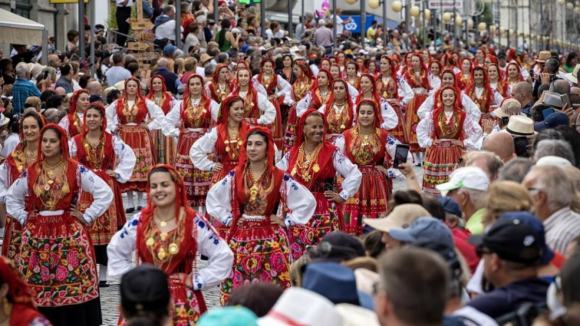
column 23, row 8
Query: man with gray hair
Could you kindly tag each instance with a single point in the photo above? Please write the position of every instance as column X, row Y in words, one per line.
column 171, row 80
column 515, row 170
column 553, row 195
column 23, row 88
column 554, row 147
column 165, row 24
column 323, row 35
column 467, row 186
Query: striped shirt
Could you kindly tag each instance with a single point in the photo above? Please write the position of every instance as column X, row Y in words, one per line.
column 561, row 227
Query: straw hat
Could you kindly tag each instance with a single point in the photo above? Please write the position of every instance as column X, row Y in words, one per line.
column 356, row 316
column 573, row 76
column 508, row 108
column 543, row 56
column 204, row 58
column 521, row 126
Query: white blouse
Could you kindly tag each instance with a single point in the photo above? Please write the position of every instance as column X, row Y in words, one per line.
column 434, row 83
column 471, row 128
column 64, row 123
column 170, row 125
column 267, row 109
column 342, row 165
column 299, row 200
column 466, row 103
column 201, row 148
column 221, row 258
column 155, row 114
column 282, row 86
column 126, row 156
column 90, row 182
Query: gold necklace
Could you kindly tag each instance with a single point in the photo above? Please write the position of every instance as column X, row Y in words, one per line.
column 255, row 181
column 50, row 170
column 173, row 248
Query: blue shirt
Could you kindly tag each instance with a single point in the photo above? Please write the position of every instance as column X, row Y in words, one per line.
column 22, row 90
column 527, row 109
column 65, row 83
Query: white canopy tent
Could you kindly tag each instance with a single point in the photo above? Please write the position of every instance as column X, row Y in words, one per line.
column 16, row 29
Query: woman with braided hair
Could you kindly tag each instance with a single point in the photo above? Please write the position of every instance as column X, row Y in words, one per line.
column 251, row 200
column 98, row 150
column 169, row 234
column 44, row 200
column 72, row 123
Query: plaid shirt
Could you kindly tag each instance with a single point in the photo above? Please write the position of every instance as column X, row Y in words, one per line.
column 22, row 90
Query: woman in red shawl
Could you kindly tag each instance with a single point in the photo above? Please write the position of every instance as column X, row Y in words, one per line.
column 325, row 63
column 221, row 85
column 257, row 109
column 189, row 120
column 339, row 111
column 72, row 123
column 169, row 234
column 224, row 142
column 44, row 201
column 497, row 82
column 164, row 146
column 435, row 68
column 446, row 133
column 352, row 74
column 463, row 77
column 276, row 88
column 251, row 200
column 318, row 95
column 422, row 83
column 21, row 157
column 389, row 86
column 366, row 146
column 315, row 162
column 18, row 307
column 449, row 62
column 514, row 74
column 127, row 117
column 304, row 82
column 113, row 161
column 481, row 92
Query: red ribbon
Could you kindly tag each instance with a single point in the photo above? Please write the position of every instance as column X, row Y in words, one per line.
column 285, row 319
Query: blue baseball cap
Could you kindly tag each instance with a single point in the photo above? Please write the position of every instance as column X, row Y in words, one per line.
column 425, row 229
column 535, row 224
column 169, row 49
column 552, row 121
column 450, row 206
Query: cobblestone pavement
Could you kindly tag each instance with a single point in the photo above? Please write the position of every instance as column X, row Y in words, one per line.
column 110, row 295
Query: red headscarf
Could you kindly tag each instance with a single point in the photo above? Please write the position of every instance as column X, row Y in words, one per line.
column 303, row 65
column 502, row 85
column 449, row 71
column 376, row 96
column 449, row 60
column 515, row 64
column 63, row 142
column 351, row 62
column 329, row 76
column 166, row 96
column 512, row 55
column 186, row 94
column 378, row 117
column 139, row 97
column 73, row 118
column 393, row 68
column 492, row 58
column 325, row 60
column 412, row 79
column 216, row 75
column 488, row 91
column 270, row 151
column 24, row 309
column 302, row 122
column 331, row 98
column 439, row 64
column 457, row 108
column 222, row 126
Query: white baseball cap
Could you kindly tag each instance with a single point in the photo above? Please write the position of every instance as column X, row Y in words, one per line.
column 553, row 160
column 470, row 177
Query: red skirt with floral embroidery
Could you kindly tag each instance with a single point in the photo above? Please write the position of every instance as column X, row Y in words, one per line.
column 326, row 219
column 399, row 131
column 369, row 202
column 139, row 140
column 412, row 120
column 57, row 260
column 440, row 162
column 261, row 254
column 197, row 182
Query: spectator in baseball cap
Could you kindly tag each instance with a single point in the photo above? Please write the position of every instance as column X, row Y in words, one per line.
column 552, row 121
column 511, row 250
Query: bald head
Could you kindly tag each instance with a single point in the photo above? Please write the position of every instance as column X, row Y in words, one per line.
column 94, row 88
column 60, row 91
column 523, row 93
column 575, row 90
column 501, row 144
column 561, row 87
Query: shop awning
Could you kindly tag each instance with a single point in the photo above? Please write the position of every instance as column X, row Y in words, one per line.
column 16, row 29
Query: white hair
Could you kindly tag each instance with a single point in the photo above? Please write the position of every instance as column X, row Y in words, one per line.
column 555, row 183
column 475, row 196
column 22, row 70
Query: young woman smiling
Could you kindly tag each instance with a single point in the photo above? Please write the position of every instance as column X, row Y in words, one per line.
column 98, row 150
column 72, row 123
column 16, row 162
column 164, row 146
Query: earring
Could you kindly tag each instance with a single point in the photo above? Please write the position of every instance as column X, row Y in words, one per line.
column 6, row 307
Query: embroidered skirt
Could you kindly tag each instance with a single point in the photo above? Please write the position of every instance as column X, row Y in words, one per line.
column 326, row 219
column 369, row 202
column 140, row 141
column 290, row 134
column 12, row 239
column 261, row 254
column 197, row 182
column 440, row 162
column 57, row 261
column 412, row 120
column 164, row 147
column 106, row 225
column 399, row 131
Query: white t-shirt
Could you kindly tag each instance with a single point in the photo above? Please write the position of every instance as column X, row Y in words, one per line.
column 166, row 30
column 339, row 25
